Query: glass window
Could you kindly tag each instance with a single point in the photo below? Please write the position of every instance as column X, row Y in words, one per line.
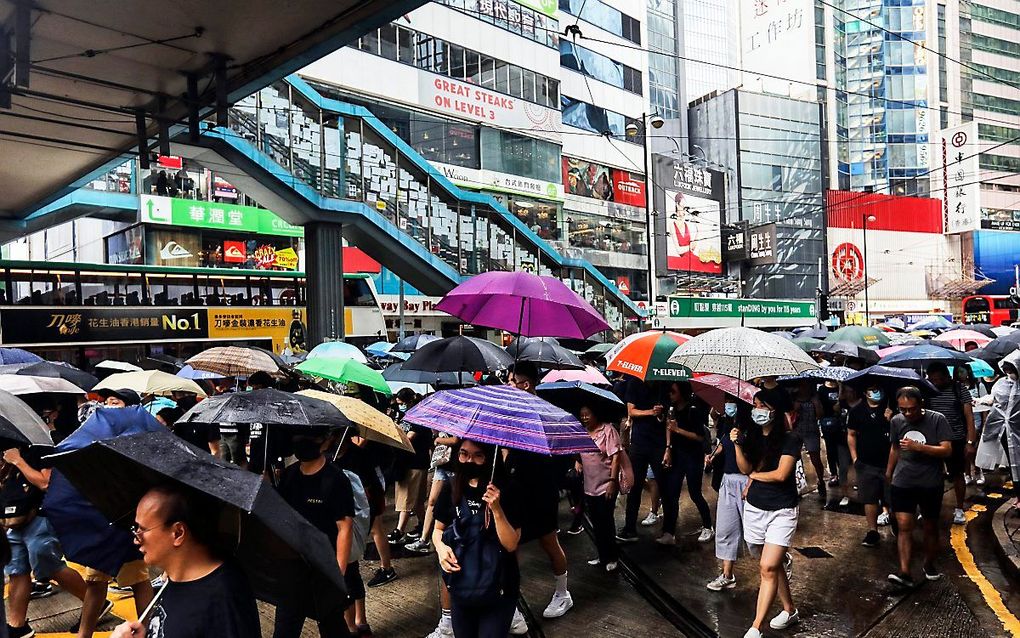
column 515, row 80
column 595, row 232
column 440, row 61
column 605, row 17
column 472, row 66
column 405, row 45
column 370, row 42
column 388, row 41
column 423, row 50
column 506, row 152
column 488, row 72
column 528, row 85
column 502, row 76
column 456, row 62
column 542, row 217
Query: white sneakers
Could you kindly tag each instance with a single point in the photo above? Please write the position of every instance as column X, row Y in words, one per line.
column 518, row 627
column 707, row 534
column 844, row 502
column 721, row 582
column 559, row 605
column 959, row 518
column 752, row 633
column 444, row 630
column 785, row 619
column 651, row 519
column 883, row 519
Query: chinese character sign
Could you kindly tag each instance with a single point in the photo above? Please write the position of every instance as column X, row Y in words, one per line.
column 956, row 176
column 778, row 40
column 693, row 241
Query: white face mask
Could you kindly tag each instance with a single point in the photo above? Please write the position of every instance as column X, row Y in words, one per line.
column 761, row 416
column 730, row 409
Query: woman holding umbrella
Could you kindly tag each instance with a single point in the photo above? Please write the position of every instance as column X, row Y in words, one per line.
column 476, row 536
column 729, row 512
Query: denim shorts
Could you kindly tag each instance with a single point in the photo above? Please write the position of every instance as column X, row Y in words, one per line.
column 442, row 475
column 35, row 549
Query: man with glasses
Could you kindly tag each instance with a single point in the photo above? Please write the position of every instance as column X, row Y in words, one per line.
column 921, row 442
column 205, row 596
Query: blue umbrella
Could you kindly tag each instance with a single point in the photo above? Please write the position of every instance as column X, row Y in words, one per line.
column 337, row 350
column 413, row 342
column 573, row 395
column 187, row 372
column 17, row 355
column 379, row 348
column 920, row 356
column 85, row 535
column 980, row 368
column 937, row 323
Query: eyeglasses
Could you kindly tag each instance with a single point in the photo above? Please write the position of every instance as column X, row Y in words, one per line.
column 138, row 531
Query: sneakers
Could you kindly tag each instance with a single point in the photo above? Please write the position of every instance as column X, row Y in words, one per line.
column 788, row 566
column 666, row 539
column 383, row 576
column 903, row 580
column 414, row 534
column 576, row 527
column 107, row 608
column 595, row 562
column 931, row 572
column 707, row 534
column 25, row 631
column 752, row 633
column 785, row 619
column 883, row 519
column 968, row 479
column 444, row 630
column 871, row 539
column 41, row 590
column 721, row 582
column 651, row 519
column 395, row 537
column 844, row 502
column 626, row 536
column 421, row 546
column 833, row 481
column 518, row 627
column 959, row 518
column 559, row 605
column 980, row 480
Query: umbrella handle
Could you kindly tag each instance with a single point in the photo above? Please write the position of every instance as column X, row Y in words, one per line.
column 155, row 599
column 340, row 445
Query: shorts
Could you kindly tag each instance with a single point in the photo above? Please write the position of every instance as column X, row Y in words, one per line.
column 232, row 449
column 130, row 574
column 35, row 549
column 355, row 584
column 870, row 484
column 542, row 516
column 376, row 502
column 409, row 492
column 956, row 463
column 442, row 475
column 910, row 499
column 812, row 440
column 774, row 527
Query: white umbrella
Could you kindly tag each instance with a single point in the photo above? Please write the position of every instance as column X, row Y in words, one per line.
column 19, row 384
column 743, row 353
column 123, row 366
column 149, row 382
column 1002, row 331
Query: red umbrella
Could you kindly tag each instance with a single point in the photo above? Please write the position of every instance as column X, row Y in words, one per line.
column 717, row 389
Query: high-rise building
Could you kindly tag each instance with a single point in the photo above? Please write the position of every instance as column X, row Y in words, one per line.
column 711, row 46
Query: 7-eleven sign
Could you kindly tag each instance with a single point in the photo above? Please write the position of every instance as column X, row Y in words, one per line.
column 623, row 283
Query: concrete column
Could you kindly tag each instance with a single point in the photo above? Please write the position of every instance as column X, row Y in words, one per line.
column 324, row 290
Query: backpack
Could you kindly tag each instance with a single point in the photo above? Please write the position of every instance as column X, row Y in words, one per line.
column 361, row 517
column 474, row 542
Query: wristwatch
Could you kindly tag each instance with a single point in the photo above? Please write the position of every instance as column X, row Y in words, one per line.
column 969, row 442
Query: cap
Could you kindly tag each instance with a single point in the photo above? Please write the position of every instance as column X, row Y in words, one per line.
column 127, row 395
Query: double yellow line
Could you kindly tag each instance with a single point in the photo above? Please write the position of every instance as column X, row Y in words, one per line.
column 958, row 539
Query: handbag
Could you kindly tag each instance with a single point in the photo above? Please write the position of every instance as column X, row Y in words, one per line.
column 441, row 455
column 474, row 542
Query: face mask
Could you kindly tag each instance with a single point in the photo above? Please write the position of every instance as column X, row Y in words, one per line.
column 307, row 450
column 876, row 395
column 761, row 416
column 730, row 409
column 402, row 408
column 472, row 470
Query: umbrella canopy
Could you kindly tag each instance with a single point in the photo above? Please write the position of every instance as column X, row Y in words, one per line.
column 645, row 355
column 1002, row 331
column 150, row 382
column 287, row 560
column 904, row 339
column 884, row 352
column 78, row 377
column 995, row 349
column 523, row 304
column 418, row 388
column 411, row 343
column 890, row 378
column 599, row 349
column 395, row 373
column 21, row 384
column 743, row 353
column 827, row 373
column 920, row 356
column 574, row 395
column 502, row 415
column 232, row 361
column 859, row 335
column 807, row 344
column 372, row 424
column 17, row 355
column 980, row 369
column 935, row 323
column 589, row 375
column 459, row 354
column 830, row 349
column 717, row 389
column 119, row 366
column 20, row 425
column 187, row 372
column 983, row 328
column 960, row 338
column 268, row 407
column 379, row 348
column 544, row 352
column 812, row 333
column 344, row 371
column 159, row 403
column 337, row 350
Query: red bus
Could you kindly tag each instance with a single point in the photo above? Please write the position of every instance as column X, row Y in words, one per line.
column 998, row 310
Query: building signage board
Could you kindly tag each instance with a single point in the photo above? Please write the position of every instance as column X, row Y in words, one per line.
column 500, row 182
column 778, row 39
column 471, row 102
column 155, row 209
column 998, row 219
column 688, row 201
column 709, row 312
column 956, row 175
column 735, row 244
column 57, row 325
column 761, row 244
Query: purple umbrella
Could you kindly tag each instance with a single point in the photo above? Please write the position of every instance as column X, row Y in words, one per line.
column 503, row 415
column 523, row 304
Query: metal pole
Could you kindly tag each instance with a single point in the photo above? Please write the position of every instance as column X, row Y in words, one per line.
column 864, row 221
column 649, row 188
column 400, row 303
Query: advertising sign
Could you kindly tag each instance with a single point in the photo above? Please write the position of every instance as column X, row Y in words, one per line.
column 688, row 203
column 248, row 323
column 778, row 39
column 955, row 177
column 54, row 325
column 706, row 312
column 761, row 244
column 587, row 179
column 125, row 247
column 172, row 248
column 156, row 209
column 628, row 188
column 469, row 101
column 623, row 284
column 500, row 182
column 735, row 246
column 234, row 252
column 998, row 219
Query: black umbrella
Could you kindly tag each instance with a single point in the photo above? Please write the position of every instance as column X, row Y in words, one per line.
column 890, row 378
column 413, row 342
column 82, row 379
column 459, row 354
column 573, row 395
column 287, row 560
column 995, row 350
column 836, row 348
column 395, row 372
column 544, row 352
column 982, row 328
column 814, row 333
column 267, row 407
column 20, row 425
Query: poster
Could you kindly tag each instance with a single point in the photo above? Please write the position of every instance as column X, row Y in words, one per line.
column 693, row 241
column 587, row 179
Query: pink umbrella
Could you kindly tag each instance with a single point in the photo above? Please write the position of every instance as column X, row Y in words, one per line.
column 960, row 339
column 588, row 375
column 890, row 350
column 716, row 389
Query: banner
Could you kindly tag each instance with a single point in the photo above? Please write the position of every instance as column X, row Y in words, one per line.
column 688, row 202
column 156, row 209
column 713, row 312
column 587, row 179
column 955, row 177
column 277, row 324
column 470, row 101
column 761, row 244
column 234, row 252
column 32, row 326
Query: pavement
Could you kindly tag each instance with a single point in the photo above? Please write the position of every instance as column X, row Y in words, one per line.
column 839, row 586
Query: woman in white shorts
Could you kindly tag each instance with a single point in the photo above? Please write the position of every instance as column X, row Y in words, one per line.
column 770, row 511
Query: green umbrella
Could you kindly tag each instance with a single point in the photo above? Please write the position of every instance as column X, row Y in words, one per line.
column 863, row 336
column 345, row 371
column 807, row 344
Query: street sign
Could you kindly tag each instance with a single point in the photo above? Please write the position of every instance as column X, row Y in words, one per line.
column 717, row 312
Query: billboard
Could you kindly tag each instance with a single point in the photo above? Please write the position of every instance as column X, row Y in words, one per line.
column 778, row 39
column 688, row 202
column 955, row 176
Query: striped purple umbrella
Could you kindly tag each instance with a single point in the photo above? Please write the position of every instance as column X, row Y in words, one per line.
column 503, row 415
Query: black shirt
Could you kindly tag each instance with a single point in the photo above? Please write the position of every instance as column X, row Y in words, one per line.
column 18, row 496
column 197, row 434
column 322, row 498
column 647, row 433
column 220, row 605
column 422, row 444
column 872, row 434
column 777, row 496
column 692, row 419
column 729, row 450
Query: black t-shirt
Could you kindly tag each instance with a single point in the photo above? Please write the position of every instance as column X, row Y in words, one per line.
column 729, row 449
column 360, row 461
column 647, row 432
column 872, row 434
column 422, row 444
column 220, row 605
column 18, row 497
column 777, row 496
column 693, row 419
column 322, row 498
column 198, row 434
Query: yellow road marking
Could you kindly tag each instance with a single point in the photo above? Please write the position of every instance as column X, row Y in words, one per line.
column 994, row 495
column 958, row 538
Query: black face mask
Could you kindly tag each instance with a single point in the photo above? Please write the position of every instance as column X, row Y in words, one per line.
column 472, row 470
column 307, row 449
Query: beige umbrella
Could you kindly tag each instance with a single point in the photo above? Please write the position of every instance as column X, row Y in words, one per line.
column 149, row 382
column 18, row 384
column 372, row 424
column 231, row 361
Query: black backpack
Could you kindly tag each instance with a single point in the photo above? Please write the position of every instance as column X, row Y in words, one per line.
column 474, row 542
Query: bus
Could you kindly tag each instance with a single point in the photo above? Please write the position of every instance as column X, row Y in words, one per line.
column 83, row 313
column 997, row 310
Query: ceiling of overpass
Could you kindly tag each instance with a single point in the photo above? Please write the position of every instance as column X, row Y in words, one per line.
column 92, row 64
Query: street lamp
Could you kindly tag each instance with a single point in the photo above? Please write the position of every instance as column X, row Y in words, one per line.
column 656, row 122
column 864, row 224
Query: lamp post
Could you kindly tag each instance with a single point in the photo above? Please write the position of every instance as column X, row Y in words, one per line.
column 632, row 131
column 864, row 224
